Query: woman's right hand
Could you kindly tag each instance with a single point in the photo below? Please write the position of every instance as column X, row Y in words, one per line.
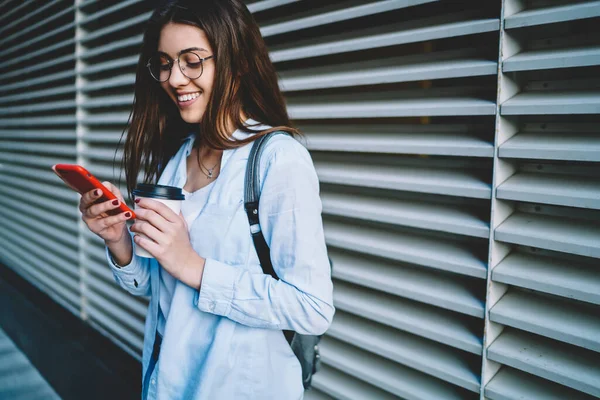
column 111, row 228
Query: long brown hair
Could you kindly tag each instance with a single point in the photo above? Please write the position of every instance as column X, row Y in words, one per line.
column 245, row 82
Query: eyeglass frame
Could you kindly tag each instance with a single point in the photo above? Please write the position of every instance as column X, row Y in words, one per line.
column 172, row 63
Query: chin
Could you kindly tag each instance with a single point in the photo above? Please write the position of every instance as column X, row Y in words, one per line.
column 190, row 118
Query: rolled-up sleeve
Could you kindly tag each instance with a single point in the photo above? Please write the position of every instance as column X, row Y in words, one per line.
column 133, row 277
column 290, row 217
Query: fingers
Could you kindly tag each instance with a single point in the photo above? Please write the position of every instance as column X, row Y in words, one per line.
column 101, row 224
column 147, row 229
column 159, row 208
column 153, row 218
column 147, row 244
column 87, row 199
column 97, row 210
column 114, row 189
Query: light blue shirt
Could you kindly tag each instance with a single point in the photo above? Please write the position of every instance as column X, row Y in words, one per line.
column 225, row 341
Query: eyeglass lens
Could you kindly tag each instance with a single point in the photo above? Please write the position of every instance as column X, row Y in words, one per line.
column 189, row 63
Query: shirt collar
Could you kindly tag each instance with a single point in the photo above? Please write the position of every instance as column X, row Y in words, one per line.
column 237, row 135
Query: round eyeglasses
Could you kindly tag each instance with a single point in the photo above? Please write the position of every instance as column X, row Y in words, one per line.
column 190, row 64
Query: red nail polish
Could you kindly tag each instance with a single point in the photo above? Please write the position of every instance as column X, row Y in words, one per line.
column 96, row 192
column 115, row 202
column 127, row 214
column 137, row 200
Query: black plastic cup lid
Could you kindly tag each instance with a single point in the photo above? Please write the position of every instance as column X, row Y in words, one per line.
column 158, row 192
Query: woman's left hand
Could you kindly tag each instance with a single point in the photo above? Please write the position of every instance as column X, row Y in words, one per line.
column 167, row 235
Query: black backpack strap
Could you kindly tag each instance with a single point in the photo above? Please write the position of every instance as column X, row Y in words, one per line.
column 251, row 198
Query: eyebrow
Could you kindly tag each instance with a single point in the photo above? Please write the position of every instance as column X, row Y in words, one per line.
column 186, row 50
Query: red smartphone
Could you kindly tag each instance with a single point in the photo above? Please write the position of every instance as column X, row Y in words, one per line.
column 80, row 180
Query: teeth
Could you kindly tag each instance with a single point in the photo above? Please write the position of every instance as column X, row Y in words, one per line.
column 188, row 97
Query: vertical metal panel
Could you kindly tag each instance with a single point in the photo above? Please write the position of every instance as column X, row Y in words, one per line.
column 549, row 197
column 39, row 234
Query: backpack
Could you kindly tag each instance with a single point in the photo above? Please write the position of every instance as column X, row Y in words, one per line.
column 305, row 347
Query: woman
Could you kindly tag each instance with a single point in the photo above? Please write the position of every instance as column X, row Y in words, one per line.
column 204, row 68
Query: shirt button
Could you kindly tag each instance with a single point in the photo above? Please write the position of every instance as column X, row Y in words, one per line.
column 153, row 381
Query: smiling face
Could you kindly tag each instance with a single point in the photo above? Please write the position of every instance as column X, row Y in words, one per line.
column 189, row 95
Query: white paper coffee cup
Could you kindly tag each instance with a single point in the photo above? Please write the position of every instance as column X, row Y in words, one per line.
column 168, row 195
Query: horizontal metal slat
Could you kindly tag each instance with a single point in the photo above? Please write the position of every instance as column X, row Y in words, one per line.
column 373, row 72
column 44, row 201
column 33, row 108
column 107, row 101
column 387, row 375
column 57, row 292
column 46, row 134
column 263, row 5
column 38, row 94
column 45, row 236
column 450, row 182
column 103, row 154
column 118, row 63
column 53, row 260
column 33, row 173
column 118, row 296
column 415, row 318
column 121, row 81
column 110, row 47
column 553, row 59
column 510, row 384
column 420, row 354
column 570, row 146
column 342, row 386
column 550, row 15
column 102, row 136
column 20, row 72
column 316, row 395
column 25, row 17
column 112, row 118
column 135, row 350
column 551, row 233
column 563, row 190
column 544, row 274
column 410, row 248
column 115, row 328
column 118, row 315
column 412, row 283
column 13, row 9
column 24, row 209
column 321, row 108
column 23, row 31
column 398, row 140
column 37, row 121
column 140, row 19
column 564, row 364
column 107, row 11
column 35, row 81
column 33, row 41
column 436, row 217
column 33, row 147
column 64, row 284
column 347, row 13
column 553, row 318
column 549, row 103
column 329, row 46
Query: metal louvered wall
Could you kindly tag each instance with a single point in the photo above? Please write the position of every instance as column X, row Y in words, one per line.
column 457, row 146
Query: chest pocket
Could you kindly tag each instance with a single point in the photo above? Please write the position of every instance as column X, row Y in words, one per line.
column 221, row 232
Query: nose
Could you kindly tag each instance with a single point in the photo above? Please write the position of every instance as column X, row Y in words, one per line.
column 177, row 78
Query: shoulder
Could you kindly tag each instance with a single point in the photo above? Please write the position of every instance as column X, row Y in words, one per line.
column 284, row 149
